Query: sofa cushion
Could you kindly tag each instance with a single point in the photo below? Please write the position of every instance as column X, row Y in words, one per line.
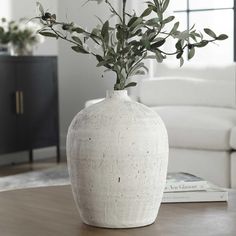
column 187, row 91
column 203, row 70
column 206, row 128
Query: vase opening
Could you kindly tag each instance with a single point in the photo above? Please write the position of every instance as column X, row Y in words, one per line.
column 117, row 94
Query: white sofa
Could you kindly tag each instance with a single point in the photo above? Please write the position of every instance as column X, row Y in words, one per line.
column 197, row 105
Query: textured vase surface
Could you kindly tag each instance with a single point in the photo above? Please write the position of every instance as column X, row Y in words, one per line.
column 117, row 154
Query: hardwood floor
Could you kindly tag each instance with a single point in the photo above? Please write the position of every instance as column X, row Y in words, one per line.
column 27, row 167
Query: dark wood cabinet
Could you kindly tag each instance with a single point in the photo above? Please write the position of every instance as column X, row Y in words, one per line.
column 29, row 117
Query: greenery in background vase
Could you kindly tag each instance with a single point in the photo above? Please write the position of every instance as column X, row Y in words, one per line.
column 123, row 47
column 22, row 35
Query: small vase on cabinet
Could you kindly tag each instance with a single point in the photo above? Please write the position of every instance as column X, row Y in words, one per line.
column 117, row 156
column 21, row 50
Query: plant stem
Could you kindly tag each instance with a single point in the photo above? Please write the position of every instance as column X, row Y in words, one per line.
column 68, row 40
column 113, row 9
column 63, row 37
column 176, row 52
column 121, row 81
column 136, row 64
column 124, row 7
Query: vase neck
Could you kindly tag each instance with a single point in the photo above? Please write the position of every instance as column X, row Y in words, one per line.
column 117, row 94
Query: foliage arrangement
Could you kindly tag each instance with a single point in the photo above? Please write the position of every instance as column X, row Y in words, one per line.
column 122, row 47
column 4, row 33
column 20, row 34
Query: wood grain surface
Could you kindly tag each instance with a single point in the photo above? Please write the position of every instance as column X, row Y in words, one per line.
column 50, row 211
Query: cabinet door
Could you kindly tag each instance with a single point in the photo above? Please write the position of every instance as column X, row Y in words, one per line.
column 38, row 82
column 7, row 107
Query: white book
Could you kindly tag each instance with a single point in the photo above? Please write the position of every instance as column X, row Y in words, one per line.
column 180, row 182
column 212, row 194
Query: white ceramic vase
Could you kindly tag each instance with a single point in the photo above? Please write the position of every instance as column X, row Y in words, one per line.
column 117, row 156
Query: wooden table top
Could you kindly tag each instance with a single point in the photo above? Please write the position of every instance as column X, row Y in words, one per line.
column 50, row 211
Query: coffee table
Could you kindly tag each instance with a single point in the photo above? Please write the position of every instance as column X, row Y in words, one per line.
column 50, row 211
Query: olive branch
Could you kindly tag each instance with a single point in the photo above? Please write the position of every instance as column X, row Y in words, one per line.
column 123, row 47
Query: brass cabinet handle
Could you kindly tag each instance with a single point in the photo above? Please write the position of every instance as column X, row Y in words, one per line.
column 21, row 103
column 17, row 103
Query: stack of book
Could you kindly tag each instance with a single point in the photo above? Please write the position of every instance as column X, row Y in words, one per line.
column 184, row 187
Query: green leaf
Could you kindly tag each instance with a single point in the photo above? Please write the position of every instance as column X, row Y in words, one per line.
column 156, row 3
column 48, row 34
column 95, row 32
column 175, row 27
column 181, row 61
column 158, row 9
column 152, row 6
column 222, row 37
column 79, row 49
column 132, row 20
column 183, row 35
column 119, row 34
column 179, row 55
column 126, row 50
column 40, row 7
column 158, row 44
column 138, row 67
column 105, row 29
column 151, row 35
column 197, row 35
column 102, row 63
column 146, row 12
column 136, row 33
column 165, row 5
column 139, row 72
column 193, row 37
column 136, row 23
column 159, row 57
column 191, row 53
column 78, row 30
column 179, row 45
column 1, row 30
column 146, row 43
column 77, row 39
column 201, row 44
column 99, row 58
column 168, row 19
column 210, row 32
column 132, row 84
column 153, row 22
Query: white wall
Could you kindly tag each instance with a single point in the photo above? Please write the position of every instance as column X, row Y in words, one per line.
column 16, row 9
column 80, row 80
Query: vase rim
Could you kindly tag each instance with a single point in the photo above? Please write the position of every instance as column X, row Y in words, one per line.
column 117, row 94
